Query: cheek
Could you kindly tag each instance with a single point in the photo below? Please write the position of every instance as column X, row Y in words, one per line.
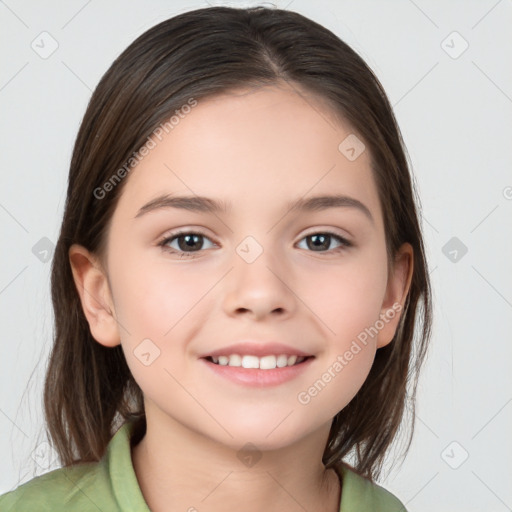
column 348, row 305
column 157, row 308
column 347, row 298
column 338, row 382
column 151, row 301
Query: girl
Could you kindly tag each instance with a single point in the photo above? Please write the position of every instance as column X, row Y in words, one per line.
column 237, row 278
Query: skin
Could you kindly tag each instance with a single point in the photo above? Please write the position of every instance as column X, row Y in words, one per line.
column 257, row 149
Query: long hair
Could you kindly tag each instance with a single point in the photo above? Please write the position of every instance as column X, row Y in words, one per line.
column 89, row 390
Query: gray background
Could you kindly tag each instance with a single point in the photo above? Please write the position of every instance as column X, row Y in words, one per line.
column 454, row 107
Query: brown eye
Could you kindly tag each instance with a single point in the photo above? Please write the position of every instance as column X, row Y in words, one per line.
column 187, row 242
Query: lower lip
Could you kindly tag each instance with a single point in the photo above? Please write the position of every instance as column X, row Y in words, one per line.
column 255, row 377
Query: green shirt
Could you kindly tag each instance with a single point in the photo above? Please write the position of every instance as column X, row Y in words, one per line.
column 110, row 485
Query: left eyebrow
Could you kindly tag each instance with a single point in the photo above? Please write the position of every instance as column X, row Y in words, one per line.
column 207, row 205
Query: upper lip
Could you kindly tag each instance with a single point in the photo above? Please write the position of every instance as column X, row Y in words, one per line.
column 256, row 348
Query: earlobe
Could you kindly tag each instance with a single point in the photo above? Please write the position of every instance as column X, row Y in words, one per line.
column 95, row 295
column 396, row 294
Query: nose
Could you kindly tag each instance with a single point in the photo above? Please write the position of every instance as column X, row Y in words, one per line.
column 259, row 289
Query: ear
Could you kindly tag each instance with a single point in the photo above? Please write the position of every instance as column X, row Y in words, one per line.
column 95, row 295
column 396, row 294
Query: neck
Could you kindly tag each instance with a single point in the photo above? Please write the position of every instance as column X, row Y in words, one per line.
column 181, row 470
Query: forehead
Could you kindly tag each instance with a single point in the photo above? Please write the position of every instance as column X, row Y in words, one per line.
column 254, row 149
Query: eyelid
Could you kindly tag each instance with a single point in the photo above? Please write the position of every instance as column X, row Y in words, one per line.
column 327, row 231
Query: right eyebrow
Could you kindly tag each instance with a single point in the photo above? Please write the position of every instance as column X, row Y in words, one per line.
column 191, row 203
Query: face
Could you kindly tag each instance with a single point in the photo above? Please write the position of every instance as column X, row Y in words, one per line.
column 257, row 270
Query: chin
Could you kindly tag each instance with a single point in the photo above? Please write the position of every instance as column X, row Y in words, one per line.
column 267, row 433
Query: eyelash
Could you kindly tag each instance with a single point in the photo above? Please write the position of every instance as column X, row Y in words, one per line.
column 172, row 236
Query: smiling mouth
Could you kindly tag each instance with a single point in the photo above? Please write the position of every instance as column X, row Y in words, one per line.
column 262, row 363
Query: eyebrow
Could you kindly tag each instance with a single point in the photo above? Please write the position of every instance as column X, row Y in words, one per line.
column 207, row 205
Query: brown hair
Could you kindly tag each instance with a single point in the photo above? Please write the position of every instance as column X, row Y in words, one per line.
column 89, row 390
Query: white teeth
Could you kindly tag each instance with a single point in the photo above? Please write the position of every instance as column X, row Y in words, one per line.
column 263, row 363
column 250, row 362
column 282, row 361
column 267, row 363
column 235, row 360
column 223, row 360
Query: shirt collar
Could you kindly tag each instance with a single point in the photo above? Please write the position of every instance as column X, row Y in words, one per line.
column 125, row 485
